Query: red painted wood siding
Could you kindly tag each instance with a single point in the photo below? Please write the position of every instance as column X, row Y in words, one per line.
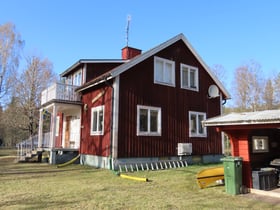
column 99, row 144
column 240, row 148
column 96, row 69
column 137, row 88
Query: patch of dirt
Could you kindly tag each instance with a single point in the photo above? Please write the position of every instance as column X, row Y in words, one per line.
column 268, row 199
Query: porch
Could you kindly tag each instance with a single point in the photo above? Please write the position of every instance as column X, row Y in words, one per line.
column 59, row 122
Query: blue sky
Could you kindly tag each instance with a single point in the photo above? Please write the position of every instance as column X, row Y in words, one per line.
column 227, row 33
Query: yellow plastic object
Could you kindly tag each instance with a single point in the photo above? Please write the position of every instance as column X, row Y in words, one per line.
column 69, row 162
column 134, row 178
column 209, row 175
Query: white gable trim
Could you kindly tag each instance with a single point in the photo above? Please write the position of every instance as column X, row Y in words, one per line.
column 122, row 68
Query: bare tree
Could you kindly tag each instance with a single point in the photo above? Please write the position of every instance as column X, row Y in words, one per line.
column 276, row 86
column 13, row 122
column 220, row 72
column 10, row 49
column 268, row 95
column 35, row 78
column 248, row 86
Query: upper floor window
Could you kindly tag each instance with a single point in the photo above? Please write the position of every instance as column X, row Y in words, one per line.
column 97, row 120
column 164, row 71
column 195, row 124
column 148, row 121
column 77, row 78
column 189, row 77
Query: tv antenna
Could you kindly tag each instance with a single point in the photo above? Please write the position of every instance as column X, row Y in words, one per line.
column 127, row 29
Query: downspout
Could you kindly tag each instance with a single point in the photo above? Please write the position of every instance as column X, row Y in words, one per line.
column 111, row 162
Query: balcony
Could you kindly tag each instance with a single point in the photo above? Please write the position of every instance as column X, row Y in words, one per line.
column 60, row 91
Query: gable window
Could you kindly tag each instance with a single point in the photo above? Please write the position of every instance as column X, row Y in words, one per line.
column 164, row 71
column 77, row 78
column 195, row 126
column 97, row 121
column 148, row 121
column 189, row 77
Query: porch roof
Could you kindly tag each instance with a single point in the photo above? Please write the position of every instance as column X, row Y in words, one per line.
column 245, row 118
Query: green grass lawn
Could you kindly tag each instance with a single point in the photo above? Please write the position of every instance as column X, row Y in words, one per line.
column 43, row 186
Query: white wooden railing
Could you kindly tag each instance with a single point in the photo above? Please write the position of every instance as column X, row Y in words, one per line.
column 30, row 144
column 60, row 91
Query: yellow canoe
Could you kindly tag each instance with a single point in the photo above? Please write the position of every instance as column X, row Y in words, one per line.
column 209, row 175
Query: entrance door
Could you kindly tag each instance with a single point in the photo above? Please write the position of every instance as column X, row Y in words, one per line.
column 67, row 131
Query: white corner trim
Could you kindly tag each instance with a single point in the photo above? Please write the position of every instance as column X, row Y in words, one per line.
column 115, row 127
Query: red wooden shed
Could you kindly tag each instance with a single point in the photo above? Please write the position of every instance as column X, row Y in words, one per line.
column 254, row 136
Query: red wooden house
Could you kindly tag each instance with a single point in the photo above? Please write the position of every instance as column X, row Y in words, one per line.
column 141, row 107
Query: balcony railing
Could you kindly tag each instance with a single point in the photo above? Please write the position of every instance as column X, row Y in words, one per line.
column 59, row 91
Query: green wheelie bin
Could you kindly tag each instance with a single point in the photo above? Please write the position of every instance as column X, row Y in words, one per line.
column 233, row 174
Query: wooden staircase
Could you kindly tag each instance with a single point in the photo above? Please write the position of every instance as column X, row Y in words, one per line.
column 29, row 155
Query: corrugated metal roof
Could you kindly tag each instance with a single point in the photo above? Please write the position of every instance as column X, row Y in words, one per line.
column 245, row 118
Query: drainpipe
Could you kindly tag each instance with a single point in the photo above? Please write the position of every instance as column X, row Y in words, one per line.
column 111, row 162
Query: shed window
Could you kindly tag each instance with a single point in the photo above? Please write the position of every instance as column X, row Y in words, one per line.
column 164, row 71
column 260, row 144
column 97, row 121
column 189, row 77
column 148, row 121
column 195, row 126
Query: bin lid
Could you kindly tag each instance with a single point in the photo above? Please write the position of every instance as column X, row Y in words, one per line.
column 268, row 169
column 231, row 159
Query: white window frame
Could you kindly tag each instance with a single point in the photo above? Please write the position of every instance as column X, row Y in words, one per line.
column 188, row 69
column 167, row 77
column 196, row 132
column 149, row 132
column 77, row 78
column 97, row 109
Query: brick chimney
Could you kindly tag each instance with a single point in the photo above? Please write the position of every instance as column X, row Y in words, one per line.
column 130, row 52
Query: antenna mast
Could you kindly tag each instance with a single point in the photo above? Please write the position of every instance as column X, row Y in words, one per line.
column 127, row 29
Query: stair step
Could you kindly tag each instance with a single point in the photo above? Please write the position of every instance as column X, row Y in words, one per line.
column 34, row 152
column 28, row 155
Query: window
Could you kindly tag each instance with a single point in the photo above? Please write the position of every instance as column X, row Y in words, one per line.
column 148, row 121
column 195, row 126
column 97, row 121
column 189, row 77
column 164, row 71
column 77, row 78
column 260, row 144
